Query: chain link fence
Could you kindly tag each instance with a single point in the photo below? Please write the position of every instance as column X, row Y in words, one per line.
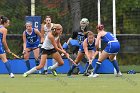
column 69, row 12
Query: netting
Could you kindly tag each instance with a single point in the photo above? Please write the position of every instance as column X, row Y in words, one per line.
column 69, row 12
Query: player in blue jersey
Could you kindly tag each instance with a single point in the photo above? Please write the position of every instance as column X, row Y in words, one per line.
column 87, row 48
column 79, row 35
column 4, row 22
column 111, row 50
column 31, row 41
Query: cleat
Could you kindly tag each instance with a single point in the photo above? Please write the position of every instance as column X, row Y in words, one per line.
column 94, row 75
column 53, row 71
column 86, row 74
column 25, row 75
column 119, row 74
column 12, row 75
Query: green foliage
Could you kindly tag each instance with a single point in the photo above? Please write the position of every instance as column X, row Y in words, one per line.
column 127, row 14
column 15, row 10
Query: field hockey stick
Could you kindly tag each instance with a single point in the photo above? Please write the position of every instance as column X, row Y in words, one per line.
column 32, row 49
column 70, row 59
column 39, row 55
column 28, row 51
column 89, row 66
column 13, row 54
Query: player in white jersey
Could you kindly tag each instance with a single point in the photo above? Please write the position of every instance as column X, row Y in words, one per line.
column 51, row 47
column 45, row 28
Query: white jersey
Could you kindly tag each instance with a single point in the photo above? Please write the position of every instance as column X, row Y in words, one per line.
column 46, row 29
column 47, row 43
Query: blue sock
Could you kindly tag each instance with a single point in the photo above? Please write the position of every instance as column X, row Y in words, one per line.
column 73, row 67
column 86, row 66
column 36, row 62
column 115, row 64
column 97, row 66
column 8, row 66
column 27, row 64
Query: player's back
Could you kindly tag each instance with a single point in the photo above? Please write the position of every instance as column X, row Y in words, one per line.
column 108, row 37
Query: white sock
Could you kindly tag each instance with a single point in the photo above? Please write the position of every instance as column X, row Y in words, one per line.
column 54, row 66
column 46, row 65
column 31, row 71
column 54, row 61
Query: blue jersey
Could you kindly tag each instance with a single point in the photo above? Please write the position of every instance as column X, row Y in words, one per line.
column 113, row 46
column 91, row 46
column 1, row 44
column 32, row 40
column 80, row 37
column 108, row 37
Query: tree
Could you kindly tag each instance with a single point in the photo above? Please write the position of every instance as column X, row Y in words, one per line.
column 75, row 13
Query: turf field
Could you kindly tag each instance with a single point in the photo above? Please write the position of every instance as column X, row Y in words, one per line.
column 36, row 83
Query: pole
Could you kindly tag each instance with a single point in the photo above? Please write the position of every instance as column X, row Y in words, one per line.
column 32, row 7
column 99, row 21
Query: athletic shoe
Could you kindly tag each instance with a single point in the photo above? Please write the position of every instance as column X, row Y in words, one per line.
column 25, row 75
column 86, row 74
column 53, row 71
column 12, row 75
column 94, row 75
column 119, row 74
column 69, row 73
column 45, row 72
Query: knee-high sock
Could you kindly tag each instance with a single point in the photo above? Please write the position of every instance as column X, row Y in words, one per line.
column 115, row 64
column 86, row 66
column 53, row 67
column 8, row 67
column 31, row 71
column 73, row 67
column 27, row 64
column 97, row 66
column 46, row 66
column 54, row 61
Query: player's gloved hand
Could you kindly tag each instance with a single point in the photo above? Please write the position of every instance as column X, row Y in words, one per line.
column 40, row 45
column 8, row 50
column 66, row 54
column 24, row 51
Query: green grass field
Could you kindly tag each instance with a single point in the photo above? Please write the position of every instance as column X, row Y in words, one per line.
column 36, row 83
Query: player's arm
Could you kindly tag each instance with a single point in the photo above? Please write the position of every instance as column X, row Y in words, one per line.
column 85, row 46
column 97, row 41
column 52, row 39
column 42, row 31
column 39, row 34
column 5, row 42
column 24, row 41
column 96, row 53
column 59, row 44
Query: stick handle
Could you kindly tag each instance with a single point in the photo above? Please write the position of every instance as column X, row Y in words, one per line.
column 15, row 55
column 72, row 61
